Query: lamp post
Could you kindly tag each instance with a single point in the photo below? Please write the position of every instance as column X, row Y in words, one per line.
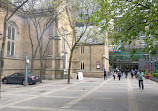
column 26, row 69
column 150, row 62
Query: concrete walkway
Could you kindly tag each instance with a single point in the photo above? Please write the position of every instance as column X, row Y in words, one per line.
column 90, row 94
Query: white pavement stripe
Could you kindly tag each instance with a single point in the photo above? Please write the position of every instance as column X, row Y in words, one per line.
column 112, row 91
column 132, row 102
column 60, row 97
column 101, row 98
column 32, row 108
column 20, row 101
column 48, row 84
column 72, row 103
column 42, row 96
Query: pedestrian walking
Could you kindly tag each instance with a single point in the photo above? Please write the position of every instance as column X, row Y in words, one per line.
column 116, row 70
column 132, row 73
column 119, row 74
column 140, row 75
column 126, row 73
column 135, row 72
column 122, row 72
column 105, row 76
column 114, row 74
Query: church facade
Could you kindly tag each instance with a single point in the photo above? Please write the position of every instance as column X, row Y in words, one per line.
column 55, row 49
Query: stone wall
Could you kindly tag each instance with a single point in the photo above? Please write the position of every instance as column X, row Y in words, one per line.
column 95, row 74
column 93, row 54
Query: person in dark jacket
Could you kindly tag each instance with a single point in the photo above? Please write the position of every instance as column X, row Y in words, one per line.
column 135, row 72
column 126, row 73
column 105, row 76
column 132, row 73
column 119, row 74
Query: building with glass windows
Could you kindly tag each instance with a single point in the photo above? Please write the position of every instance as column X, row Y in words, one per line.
column 132, row 56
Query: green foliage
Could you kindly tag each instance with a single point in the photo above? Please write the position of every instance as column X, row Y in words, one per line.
column 134, row 16
column 155, row 71
column 154, row 75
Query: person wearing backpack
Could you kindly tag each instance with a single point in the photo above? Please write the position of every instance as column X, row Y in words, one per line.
column 140, row 75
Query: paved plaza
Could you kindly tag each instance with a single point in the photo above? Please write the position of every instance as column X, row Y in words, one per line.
column 90, row 94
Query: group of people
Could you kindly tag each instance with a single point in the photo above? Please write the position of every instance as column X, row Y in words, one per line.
column 119, row 73
column 133, row 73
column 138, row 74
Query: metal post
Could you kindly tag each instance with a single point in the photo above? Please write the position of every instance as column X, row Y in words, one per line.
column 90, row 58
column 150, row 61
column 26, row 69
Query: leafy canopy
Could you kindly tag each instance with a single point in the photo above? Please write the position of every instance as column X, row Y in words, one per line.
column 136, row 18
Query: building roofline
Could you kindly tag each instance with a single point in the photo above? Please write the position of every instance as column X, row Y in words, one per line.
column 87, row 44
column 21, row 12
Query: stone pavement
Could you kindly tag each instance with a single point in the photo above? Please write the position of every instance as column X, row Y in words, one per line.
column 90, row 94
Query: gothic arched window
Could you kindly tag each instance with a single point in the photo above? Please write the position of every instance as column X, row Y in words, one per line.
column 11, row 40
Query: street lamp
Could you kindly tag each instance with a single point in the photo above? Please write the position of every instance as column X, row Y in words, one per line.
column 26, row 69
column 150, row 60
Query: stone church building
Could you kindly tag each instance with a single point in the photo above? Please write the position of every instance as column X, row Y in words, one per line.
column 90, row 58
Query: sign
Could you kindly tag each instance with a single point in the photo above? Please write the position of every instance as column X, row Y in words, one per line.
column 27, row 61
column 98, row 64
column 80, row 76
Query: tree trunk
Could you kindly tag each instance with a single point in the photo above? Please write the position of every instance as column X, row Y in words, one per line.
column 2, row 52
column 70, row 61
column 41, row 71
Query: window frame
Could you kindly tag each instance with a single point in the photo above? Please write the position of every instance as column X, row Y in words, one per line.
column 82, row 49
column 82, row 65
column 11, row 40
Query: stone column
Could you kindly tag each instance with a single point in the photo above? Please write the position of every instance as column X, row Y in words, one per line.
column 58, row 60
column 54, row 61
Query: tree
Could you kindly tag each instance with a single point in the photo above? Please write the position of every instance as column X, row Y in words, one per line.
column 7, row 17
column 42, row 18
column 136, row 18
column 79, row 13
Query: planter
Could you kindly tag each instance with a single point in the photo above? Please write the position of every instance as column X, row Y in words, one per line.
column 147, row 76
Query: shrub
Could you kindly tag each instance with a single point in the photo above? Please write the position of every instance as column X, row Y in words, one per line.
column 154, row 75
column 155, row 71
